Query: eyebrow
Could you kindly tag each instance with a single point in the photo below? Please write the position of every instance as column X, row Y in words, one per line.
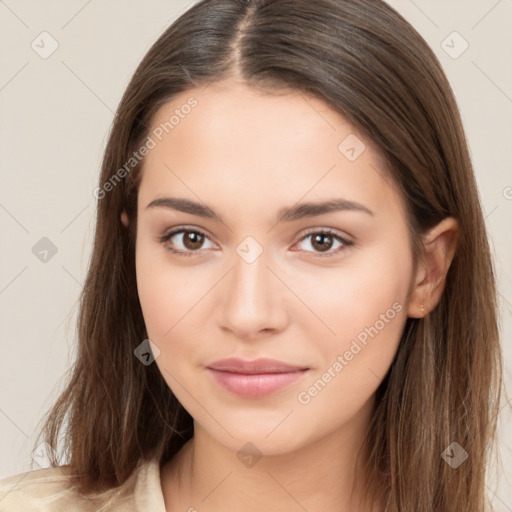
column 287, row 214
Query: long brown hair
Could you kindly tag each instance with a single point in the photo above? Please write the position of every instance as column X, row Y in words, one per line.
column 368, row 63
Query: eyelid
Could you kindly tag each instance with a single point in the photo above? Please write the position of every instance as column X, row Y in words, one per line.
column 344, row 237
column 345, row 240
column 181, row 229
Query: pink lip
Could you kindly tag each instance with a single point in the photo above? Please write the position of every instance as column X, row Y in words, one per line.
column 254, row 379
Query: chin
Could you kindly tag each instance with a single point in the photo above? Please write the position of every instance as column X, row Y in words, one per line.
column 265, row 434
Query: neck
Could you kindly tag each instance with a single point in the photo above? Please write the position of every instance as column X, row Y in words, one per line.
column 320, row 476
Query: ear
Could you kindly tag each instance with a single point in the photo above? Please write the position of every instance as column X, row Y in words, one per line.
column 440, row 244
column 124, row 218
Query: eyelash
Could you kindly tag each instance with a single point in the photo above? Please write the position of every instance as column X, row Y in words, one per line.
column 165, row 238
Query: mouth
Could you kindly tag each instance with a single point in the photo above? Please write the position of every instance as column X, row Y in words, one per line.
column 254, row 379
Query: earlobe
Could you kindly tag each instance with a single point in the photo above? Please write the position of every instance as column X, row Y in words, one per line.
column 124, row 218
column 440, row 244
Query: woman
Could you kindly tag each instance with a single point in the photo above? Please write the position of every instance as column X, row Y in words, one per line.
column 291, row 302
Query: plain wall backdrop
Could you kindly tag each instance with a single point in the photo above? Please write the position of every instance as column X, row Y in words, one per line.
column 64, row 68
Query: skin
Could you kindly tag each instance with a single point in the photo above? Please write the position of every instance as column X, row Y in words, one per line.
column 246, row 155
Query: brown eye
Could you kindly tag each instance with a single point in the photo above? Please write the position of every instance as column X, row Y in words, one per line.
column 193, row 240
column 185, row 242
column 322, row 242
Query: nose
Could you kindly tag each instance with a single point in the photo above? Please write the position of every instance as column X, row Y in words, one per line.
column 252, row 299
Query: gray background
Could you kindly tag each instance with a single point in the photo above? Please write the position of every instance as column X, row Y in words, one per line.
column 56, row 111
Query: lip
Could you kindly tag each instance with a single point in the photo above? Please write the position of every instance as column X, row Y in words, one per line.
column 254, row 379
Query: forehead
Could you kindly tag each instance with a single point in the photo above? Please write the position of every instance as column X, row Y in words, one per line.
column 258, row 148
column 238, row 117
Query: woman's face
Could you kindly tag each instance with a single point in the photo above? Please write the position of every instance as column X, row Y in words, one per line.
column 291, row 245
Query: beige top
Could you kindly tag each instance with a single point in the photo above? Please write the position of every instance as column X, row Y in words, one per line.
column 44, row 490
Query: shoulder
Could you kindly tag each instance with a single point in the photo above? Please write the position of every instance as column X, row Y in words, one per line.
column 50, row 490
column 36, row 490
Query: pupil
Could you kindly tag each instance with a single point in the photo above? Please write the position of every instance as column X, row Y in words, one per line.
column 320, row 240
column 194, row 240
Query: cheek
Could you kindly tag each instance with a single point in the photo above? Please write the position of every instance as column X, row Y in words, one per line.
column 167, row 296
column 173, row 299
column 167, row 293
column 152, row 283
column 366, row 308
column 369, row 288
